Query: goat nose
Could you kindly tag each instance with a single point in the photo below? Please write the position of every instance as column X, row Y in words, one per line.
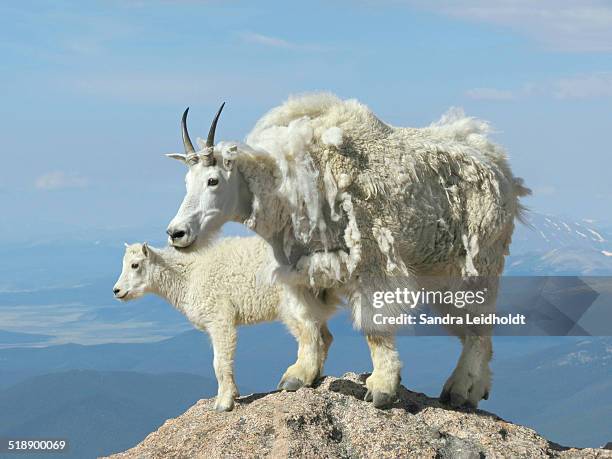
column 177, row 234
column 116, row 290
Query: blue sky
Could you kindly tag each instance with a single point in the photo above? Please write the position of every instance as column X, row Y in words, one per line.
column 92, row 92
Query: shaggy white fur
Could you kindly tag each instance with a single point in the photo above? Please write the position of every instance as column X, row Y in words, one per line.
column 332, row 137
column 216, row 288
column 446, row 189
column 351, row 204
column 437, row 201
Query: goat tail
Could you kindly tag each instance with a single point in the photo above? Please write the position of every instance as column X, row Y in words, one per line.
column 521, row 210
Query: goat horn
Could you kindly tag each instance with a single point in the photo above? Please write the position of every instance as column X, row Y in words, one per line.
column 186, row 140
column 210, row 141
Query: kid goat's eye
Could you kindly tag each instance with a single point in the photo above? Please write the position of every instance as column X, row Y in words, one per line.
column 134, row 265
column 213, row 181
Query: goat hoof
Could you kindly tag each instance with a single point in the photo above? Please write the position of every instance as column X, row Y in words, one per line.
column 222, row 407
column 368, row 396
column 455, row 400
column 382, row 400
column 486, row 395
column 458, row 400
column 291, row 384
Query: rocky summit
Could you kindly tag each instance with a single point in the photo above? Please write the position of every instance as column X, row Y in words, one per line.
column 331, row 420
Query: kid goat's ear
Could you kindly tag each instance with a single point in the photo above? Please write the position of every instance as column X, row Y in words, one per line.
column 178, row 156
column 145, row 249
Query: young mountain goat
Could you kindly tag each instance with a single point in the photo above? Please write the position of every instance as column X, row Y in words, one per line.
column 217, row 289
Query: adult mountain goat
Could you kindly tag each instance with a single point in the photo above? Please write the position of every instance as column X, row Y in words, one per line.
column 217, row 289
column 350, row 205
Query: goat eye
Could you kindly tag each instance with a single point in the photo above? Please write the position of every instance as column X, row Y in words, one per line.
column 134, row 265
column 213, row 181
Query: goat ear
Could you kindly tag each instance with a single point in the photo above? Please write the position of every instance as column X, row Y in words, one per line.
column 229, row 157
column 126, row 245
column 145, row 249
column 178, row 156
column 228, row 164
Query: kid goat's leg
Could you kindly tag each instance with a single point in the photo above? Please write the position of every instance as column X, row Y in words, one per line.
column 223, row 337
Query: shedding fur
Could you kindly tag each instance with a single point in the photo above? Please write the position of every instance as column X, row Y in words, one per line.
column 290, row 145
column 403, row 181
column 350, row 205
column 371, row 204
column 332, row 137
column 386, row 243
column 331, row 192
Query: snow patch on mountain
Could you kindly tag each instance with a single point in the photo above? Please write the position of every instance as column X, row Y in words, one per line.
column 550, row 245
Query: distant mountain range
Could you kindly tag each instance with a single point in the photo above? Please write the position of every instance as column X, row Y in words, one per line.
column 98, row 412
column 555, row 246
column 8, row 338
column 565, row 390
column 189, row 352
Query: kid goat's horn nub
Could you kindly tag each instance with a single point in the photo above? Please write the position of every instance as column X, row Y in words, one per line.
column 210, row 141
column 186, row 140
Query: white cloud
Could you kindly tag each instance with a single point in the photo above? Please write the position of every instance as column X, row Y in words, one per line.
column 564, row 25
column 584, row 86
column 275, row 42
column 489, row 94
column 267, row 40
column 58, row 180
